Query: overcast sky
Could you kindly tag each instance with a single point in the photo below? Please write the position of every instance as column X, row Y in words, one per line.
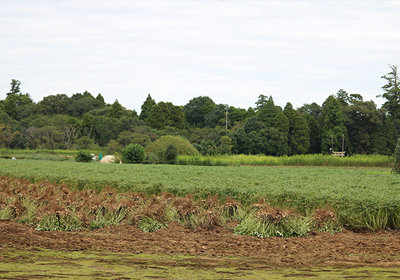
column 232, row 51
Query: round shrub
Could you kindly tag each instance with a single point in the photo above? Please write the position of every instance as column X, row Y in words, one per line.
column 83, row 156
column 133, row 153
column 183, row 145
column 171, row 153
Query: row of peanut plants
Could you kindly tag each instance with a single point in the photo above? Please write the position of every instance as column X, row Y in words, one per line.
column 360, row 198
column 47, row 206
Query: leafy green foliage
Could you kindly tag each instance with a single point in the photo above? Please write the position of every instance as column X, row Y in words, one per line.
column 83, row 156
column 267, row 112
column 300, row 138
column 66, row 222
column 196, row 110
column 171, row 153
column 146, row 107
column 183, row 145
column 103, row 217
column 11, row 108
column 116, row 111
column 225, row 146
column 333, row 127
column 288, row 227
column 156, row 118
column 133, row 153
column 147, row 224
column 54, row 104
column 392, row 92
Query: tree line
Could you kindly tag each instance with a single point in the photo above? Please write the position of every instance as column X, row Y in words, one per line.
column 83, row 121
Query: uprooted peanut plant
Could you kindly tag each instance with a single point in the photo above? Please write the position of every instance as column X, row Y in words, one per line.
column 47, row 206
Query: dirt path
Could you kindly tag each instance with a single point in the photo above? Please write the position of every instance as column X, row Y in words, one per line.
column 346, row 249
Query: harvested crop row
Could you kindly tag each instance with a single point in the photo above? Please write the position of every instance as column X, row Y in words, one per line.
column 47, row 206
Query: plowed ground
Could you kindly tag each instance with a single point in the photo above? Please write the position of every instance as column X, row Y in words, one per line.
column 317, row 250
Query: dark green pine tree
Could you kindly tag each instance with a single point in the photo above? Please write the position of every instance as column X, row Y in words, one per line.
column 315, row 143
column 178, row 119
column 252, row 124
column 146, row 107
column 166, row 108
column 290, row 114
column 281, row 123
column 156, row 118
column 133, row 114
column 333, row 127
column 116, row 111
column 268, row 112
column 300, row 136
column 384, row 138
column 100, row 98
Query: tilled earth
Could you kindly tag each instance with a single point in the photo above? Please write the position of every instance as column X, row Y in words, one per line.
column 348, row 249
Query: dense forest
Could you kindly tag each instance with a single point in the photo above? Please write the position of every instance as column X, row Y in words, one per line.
column 84, row 121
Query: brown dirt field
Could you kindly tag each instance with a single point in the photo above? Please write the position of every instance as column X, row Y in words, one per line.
column 348, row 249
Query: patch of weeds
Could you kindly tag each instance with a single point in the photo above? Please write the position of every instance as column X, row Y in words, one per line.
column 269, row 221
column 62, row 222
column 28, row 216
column 325, row 220
column 210, row 219
column 103, row 218
column 147, row 224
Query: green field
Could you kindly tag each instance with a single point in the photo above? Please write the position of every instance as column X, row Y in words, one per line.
column 361, row 198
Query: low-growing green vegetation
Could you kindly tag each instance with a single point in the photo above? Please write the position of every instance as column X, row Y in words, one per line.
column 83, row 156
column 359, row 198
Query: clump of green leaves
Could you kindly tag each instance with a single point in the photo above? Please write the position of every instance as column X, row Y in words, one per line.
column 133, row 153
column 63, row 222
column 83, row 156
column 269, row 221
column 147, row 224
column 102, row 218
column 171, row 153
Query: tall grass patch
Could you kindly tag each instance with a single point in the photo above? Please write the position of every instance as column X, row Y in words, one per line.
column 297, row 160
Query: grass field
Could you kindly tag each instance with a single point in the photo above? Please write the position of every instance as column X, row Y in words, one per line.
column 361, row 198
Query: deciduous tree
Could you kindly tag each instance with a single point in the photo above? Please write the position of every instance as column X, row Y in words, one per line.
column 196, row 110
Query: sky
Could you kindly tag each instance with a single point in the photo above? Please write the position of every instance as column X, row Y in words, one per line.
column 232, row 51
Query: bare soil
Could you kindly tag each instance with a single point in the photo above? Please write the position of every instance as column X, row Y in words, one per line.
column 346, row 249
